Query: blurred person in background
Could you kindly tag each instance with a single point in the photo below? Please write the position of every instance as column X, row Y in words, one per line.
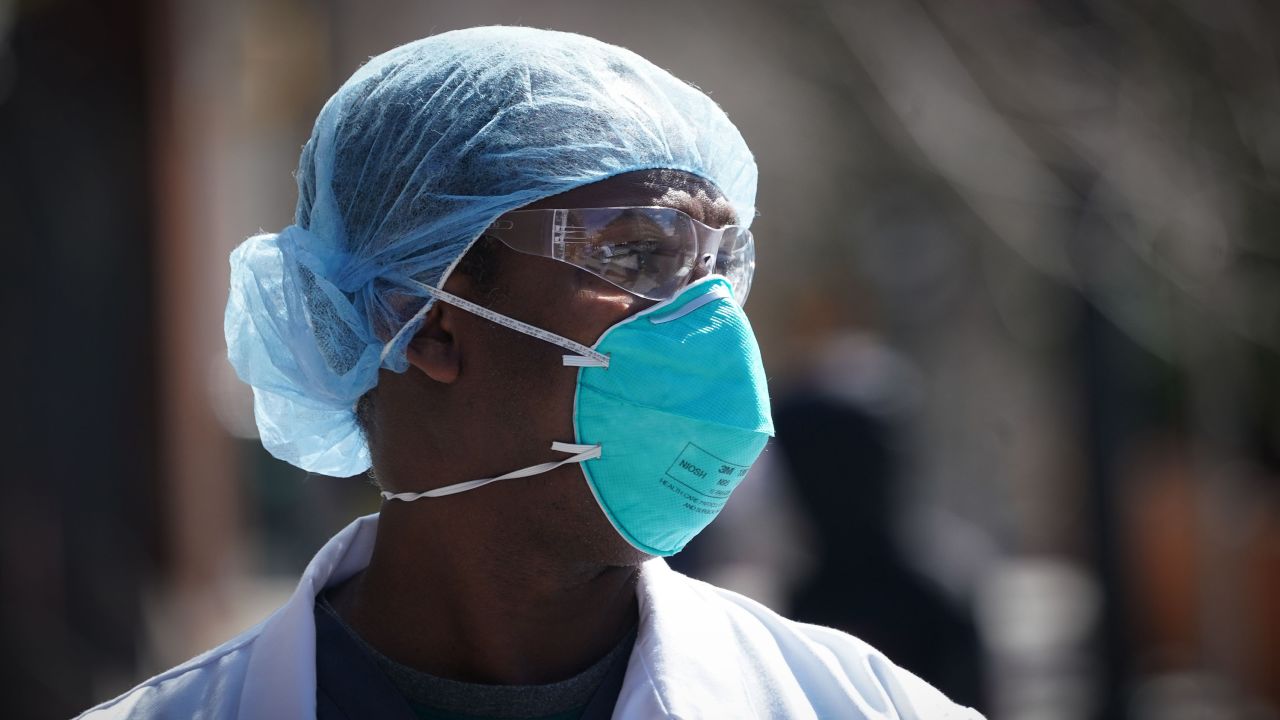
column 839, row 444
column 581, row 218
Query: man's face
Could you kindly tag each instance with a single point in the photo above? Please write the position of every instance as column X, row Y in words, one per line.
column 513, row 395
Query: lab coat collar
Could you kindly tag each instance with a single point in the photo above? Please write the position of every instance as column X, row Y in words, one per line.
column 280, row 681
column 684, row 663
column 678, row 665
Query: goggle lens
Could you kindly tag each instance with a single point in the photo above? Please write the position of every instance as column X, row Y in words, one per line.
column 648, row 251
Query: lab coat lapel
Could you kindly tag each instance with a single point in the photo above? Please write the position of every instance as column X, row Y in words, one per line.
column 684, row 662
column 280, row 681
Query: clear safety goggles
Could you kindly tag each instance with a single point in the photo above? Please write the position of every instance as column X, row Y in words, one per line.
column 649, row 251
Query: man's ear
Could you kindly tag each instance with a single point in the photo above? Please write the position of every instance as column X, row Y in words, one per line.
column 434, row 350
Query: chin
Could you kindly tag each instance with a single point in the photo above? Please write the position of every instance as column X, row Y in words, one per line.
column 599, row 544
column 623, row 554
column 562, row 520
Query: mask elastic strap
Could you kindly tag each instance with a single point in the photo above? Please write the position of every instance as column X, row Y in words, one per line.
column 585, row 357
column 583, row 453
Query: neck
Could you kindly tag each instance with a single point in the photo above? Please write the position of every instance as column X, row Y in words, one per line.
column 451, row 602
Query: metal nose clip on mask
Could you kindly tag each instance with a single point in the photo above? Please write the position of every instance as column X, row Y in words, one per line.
column 670, row 411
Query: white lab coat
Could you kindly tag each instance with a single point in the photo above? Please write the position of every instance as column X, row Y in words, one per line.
column 701, row 652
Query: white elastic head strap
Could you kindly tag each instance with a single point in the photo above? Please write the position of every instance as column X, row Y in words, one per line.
column 582, row 453
column 585, row 357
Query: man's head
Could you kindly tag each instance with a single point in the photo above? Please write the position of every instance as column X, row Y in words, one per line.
column 413, row 158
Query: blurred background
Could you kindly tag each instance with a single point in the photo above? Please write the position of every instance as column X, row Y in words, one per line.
column 1018, row 293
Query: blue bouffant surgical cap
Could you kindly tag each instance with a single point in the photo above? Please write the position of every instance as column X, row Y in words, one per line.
column 413, row 157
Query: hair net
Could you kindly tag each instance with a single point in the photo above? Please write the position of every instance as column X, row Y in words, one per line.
column 407, row 164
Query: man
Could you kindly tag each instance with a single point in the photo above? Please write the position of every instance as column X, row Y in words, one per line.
column 513, row 289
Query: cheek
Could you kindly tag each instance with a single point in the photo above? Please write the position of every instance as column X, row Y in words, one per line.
column 560, row 392
column 533, row 391
column 598, row 306
column 536, row 400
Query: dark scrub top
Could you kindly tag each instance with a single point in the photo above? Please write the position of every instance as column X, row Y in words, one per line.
column 355, row 681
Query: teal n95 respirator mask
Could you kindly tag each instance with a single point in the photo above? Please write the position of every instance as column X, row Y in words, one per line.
column 670, row 411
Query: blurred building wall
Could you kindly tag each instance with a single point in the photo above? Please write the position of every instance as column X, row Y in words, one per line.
column 80, row 538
